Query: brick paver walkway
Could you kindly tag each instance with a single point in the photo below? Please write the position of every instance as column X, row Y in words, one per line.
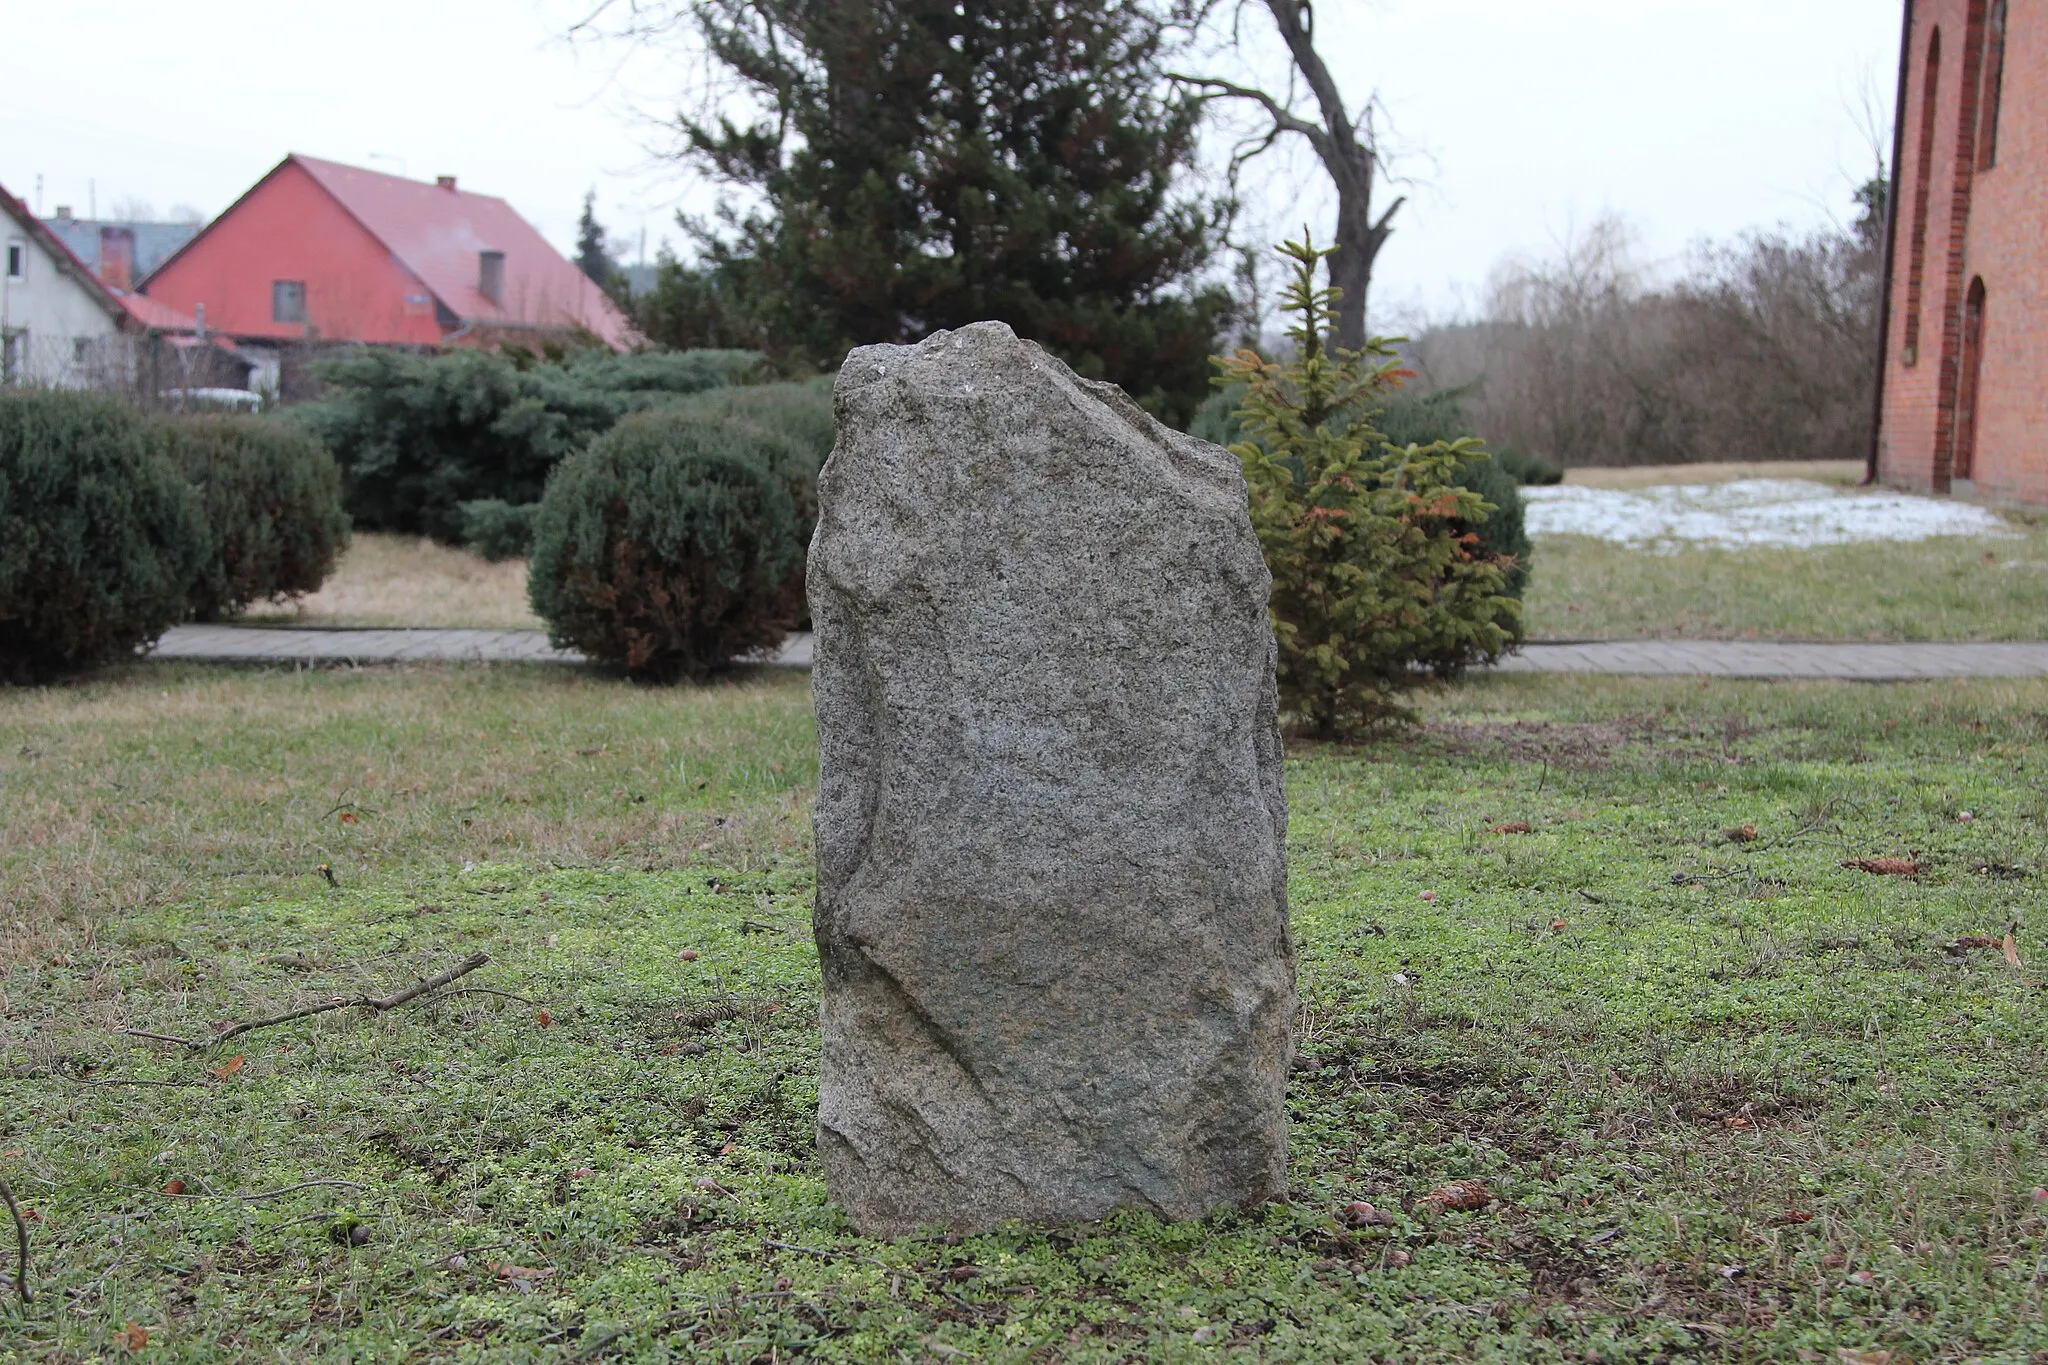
column 1785, row 659
column 1686, row 658
column 268, row 645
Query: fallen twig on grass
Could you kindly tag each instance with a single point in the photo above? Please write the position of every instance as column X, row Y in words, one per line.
column 378, row 1003
column 20, row 1243
column 266, row 1194
column 161, row 1037
column 486, row 990
column 825, row 1253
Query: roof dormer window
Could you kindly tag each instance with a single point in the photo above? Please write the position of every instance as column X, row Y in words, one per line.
column 490, row 275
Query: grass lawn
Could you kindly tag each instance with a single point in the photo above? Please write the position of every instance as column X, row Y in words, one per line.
column 1950, row 588
column 1733, row 1100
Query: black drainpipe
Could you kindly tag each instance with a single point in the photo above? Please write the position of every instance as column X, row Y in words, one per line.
column 1891, row 237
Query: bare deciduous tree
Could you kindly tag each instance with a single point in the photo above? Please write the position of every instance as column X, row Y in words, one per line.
column 1763, row 349
column 1343, row 141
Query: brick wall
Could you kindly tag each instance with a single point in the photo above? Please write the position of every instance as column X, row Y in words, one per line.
column 1964, row 222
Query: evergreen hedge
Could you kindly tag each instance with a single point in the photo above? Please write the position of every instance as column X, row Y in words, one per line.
column 497, row 529
column 100, row 536
column 670, row 547
column 271, row 497
column 417, row 436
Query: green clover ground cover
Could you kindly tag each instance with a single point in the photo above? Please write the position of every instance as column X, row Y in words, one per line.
column 1731, row 1100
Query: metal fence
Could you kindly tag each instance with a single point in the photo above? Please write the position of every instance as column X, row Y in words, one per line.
column 154, row 372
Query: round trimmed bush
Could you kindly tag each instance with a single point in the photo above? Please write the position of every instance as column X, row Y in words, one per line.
column 99, row 534
column 800, row 412
column 670, row 547
column 272, row 499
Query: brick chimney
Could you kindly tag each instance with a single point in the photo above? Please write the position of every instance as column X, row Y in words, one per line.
column 117, row 257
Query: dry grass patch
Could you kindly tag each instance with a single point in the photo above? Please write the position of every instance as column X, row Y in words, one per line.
column 387, row 580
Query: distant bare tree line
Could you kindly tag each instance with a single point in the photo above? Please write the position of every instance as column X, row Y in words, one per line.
column 1765, row 349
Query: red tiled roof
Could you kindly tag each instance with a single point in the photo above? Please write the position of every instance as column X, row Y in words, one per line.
column 149, row 313
column 439, row 233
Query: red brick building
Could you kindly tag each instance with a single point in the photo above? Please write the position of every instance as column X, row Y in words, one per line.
column 1963, row 377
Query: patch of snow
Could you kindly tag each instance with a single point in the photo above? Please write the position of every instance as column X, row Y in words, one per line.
column 1789, row 513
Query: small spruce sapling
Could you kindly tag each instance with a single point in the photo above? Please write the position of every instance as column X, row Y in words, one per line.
column 1378, row 584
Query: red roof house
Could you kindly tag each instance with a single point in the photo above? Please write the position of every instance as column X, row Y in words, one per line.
column 320, row 251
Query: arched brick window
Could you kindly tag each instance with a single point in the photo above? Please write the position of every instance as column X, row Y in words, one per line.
column 1923, row 174
column 1967, row 382
column 1994, row 81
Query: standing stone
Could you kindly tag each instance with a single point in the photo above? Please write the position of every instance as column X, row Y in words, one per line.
column 1052, row 889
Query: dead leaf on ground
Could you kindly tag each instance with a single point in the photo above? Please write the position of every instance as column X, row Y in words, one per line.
column 228, row 1067
column 1957, row 947
column 1743, row 833
column 1793, row 1217
column 132, row 1337
column 543, row 1019
column 1849, row 1355
column 174, row 1186
column 1558, row 926
column 1884, row 867
column 1745, row 1117
column 1511, row 827
column 2012, row 950
column 507, row 1271
column 1360, row 1214
column 1459, row 1195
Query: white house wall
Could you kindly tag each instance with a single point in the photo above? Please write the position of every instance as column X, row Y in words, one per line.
column 58, row 332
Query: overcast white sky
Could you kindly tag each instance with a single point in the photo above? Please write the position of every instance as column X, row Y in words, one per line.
column 1520, row 121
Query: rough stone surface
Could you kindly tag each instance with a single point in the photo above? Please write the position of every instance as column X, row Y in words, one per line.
column 1052, row 897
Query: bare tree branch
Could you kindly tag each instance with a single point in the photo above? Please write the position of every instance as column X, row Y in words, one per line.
column 20, row 1243
column 1346, row 145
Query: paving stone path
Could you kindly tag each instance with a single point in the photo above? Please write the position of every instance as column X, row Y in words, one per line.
column 1666, row 658
column 1785, row 659
column 270, row 645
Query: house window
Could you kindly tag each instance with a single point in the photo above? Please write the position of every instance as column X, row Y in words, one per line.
column 80, row 347
column 17, row 260
column 490, row 275
column 1994, row 80
column 1923, row 172
column 288, row 301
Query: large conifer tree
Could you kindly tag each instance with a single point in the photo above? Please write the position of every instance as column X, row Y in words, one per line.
column 928, row 163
